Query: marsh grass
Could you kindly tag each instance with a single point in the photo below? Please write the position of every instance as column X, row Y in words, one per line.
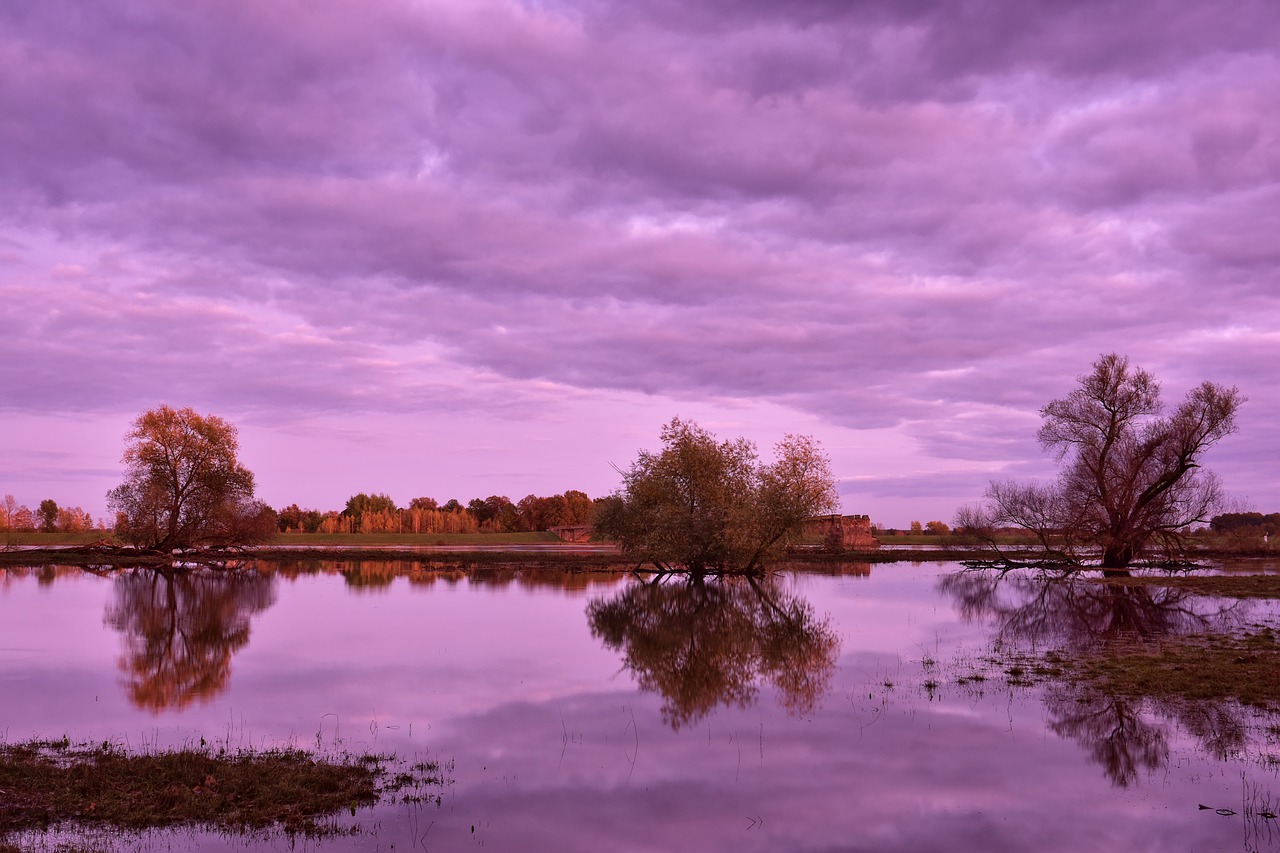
column 45, row 784
column 1226, row 586
column 1197, row 666
column 1243, row 667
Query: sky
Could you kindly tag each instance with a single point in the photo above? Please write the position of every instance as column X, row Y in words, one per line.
column 471, row 247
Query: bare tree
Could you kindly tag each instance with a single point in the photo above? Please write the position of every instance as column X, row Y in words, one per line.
column 1131, row 480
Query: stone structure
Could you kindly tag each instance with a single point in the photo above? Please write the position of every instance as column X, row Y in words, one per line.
column 842, row 532
column 573, row 532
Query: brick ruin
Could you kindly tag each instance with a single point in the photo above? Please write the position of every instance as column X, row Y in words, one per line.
column 842, row 532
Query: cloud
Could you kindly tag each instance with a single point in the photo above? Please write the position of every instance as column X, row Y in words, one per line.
column 908, row 215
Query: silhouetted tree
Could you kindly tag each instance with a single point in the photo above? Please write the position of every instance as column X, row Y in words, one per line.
column 1132, row 478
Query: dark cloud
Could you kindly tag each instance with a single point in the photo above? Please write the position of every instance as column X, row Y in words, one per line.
column 917, row 214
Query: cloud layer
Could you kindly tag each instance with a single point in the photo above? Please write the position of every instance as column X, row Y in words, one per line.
column 916, row 220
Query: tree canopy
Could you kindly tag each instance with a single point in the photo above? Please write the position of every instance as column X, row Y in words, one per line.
column 183, row 485
column 1131, row 479
column 709, row 505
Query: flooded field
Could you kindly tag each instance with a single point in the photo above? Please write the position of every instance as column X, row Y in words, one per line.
column 894, row 707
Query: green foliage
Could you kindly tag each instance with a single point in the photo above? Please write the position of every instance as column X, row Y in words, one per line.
column 361, row 504
column 48, row 515
column 707, row 505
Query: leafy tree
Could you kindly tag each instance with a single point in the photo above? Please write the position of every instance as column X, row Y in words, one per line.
column 423, row 503
column 74, row 519
column 501, row 513
column 183, row 485
column 48, row 515
column 936, row 528
column 1131, row 479
column 708, row 505
column 360, row 505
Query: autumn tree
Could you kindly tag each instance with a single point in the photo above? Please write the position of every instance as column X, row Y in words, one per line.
column 361, row 505
column 1131, row 480
column 708, row 505
column 183, row 485
column 48, row 515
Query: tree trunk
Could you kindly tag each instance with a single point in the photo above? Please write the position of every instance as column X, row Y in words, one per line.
column 1117, row 555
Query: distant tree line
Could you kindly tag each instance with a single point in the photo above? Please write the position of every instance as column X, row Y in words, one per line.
column 1230, row 522
column 378, row 513
column 48, row 517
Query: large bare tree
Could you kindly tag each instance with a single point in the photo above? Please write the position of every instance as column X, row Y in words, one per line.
column 1131, row 480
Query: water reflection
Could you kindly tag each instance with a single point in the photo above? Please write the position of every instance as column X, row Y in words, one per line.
column 181, row 629
column 1083, row 614
column 1075, row 617
column 700, row 643
column 379, row 575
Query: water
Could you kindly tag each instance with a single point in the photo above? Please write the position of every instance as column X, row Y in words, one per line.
column 846, row 711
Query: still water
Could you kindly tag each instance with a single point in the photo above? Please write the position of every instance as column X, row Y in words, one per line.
column 870, row 708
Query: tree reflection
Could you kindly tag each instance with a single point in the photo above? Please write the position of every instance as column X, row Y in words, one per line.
column 1082, row 614
column 181, row 630
column 706, row 642
column 1125, row 735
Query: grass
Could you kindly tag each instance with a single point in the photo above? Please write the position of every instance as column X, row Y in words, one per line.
column 49, row 783
column 35, row 537
column 1199, row 666
column 1226, row 586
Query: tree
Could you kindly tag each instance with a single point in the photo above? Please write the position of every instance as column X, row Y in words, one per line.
column 360, row 505
column 1131, row 479
column 183, row 485
column 48, row 515
column 707, row 505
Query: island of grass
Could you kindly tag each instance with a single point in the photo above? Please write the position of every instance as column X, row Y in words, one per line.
column 56, row 784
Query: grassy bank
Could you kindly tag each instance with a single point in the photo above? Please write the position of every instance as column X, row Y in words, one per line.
column 46, row 784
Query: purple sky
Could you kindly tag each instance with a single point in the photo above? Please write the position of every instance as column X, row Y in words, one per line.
column 470, row 247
